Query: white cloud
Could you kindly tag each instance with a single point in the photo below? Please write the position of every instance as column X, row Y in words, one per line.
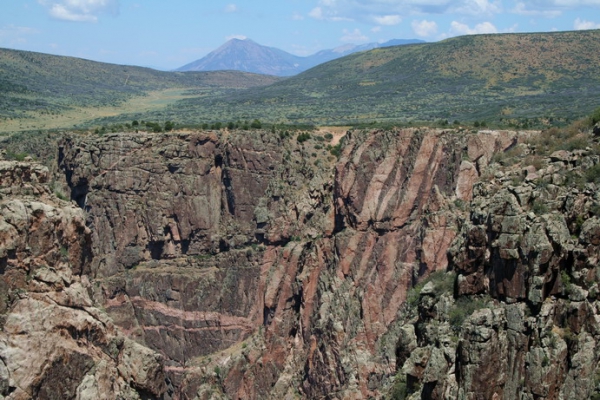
column 550, row 8
column 376, row 29
column 354, row 36
column 388, row 19
column 240, row 37
column 80, row 10
column 477, row 7
column 330, row 14
column 391, row 12
column 316, row 13
column 11, row 35
column 581, row 24
column 458, row 28
column 566, row 3
column 521, row 9
column 231, row 8
column 297, row 16
column 424, row 28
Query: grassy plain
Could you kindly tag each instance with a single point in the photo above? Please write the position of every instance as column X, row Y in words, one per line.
column 79, row 117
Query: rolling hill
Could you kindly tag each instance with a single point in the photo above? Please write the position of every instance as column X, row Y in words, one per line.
column 503, row 78
column 491, row 77
column 33, row 83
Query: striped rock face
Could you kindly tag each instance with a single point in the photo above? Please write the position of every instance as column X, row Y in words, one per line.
column 261, row 266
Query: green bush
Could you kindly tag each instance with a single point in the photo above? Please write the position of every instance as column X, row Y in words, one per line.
column 15, row 156
column 463, row 308
column 336, row 150
column 399, row 390
column 539, row 207
column 593, row 174
column 595, row 117
column 303, row 137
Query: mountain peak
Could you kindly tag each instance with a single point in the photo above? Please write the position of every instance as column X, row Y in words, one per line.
column 248, row 56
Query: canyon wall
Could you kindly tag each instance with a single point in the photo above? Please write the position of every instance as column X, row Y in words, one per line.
column 266, row 259
column 251, row 265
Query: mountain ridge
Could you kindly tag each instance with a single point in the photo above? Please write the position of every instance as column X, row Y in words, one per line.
column 248, row 56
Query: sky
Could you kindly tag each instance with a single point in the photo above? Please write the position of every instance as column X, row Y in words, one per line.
column 166, row 34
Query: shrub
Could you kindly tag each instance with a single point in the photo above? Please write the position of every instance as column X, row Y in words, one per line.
column 303, row 137
column 336, row 150
column 15, row 156
column 594, row 118
column 256, row 124
column 399, row 390
column 566, row 281
column 593, row 174
column 539, row 207
column 463, row 308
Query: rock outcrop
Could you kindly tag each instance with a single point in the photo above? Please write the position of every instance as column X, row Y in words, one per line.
column 53, row 342
column 521, row 318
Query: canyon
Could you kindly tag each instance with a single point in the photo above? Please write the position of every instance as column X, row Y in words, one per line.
column 252, row 265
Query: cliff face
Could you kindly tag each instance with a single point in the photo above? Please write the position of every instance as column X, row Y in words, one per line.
column 526, row 265
column 261, row 267
column 53, row 342
column 242, row 253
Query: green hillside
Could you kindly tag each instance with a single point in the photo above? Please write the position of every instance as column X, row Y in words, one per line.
column 482, row 77
column 34, row 84
column 503, row 78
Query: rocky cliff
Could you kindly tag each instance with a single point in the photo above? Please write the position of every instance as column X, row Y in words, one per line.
column 54, row 343
column 259, row 266
column 521, row 320
column 419, row 263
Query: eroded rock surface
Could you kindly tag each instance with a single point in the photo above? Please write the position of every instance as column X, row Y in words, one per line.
column 257, row 257
column 260, row 266
column 520, row 317
column 53, row 342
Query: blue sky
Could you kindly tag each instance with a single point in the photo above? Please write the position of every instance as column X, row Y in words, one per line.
column 167, row 34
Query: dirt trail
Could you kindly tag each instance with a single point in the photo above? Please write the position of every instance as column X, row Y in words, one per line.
column 338, row 132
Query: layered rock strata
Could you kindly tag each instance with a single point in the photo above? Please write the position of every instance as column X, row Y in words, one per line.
column 261, row 267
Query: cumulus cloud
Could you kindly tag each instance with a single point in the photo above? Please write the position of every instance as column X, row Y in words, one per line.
column 424, row 28
column 328, row 12
column 80, row 10
column 354, row 36
column 231, row 8
column 523, row 9
column 458, row 28
column 581, row 24
column 477, row 7
column 391, row 12
column 550, row 8
column 387, row 19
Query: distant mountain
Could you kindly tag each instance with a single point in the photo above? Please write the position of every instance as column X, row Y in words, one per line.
column 249, row 56
column 476, row 77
